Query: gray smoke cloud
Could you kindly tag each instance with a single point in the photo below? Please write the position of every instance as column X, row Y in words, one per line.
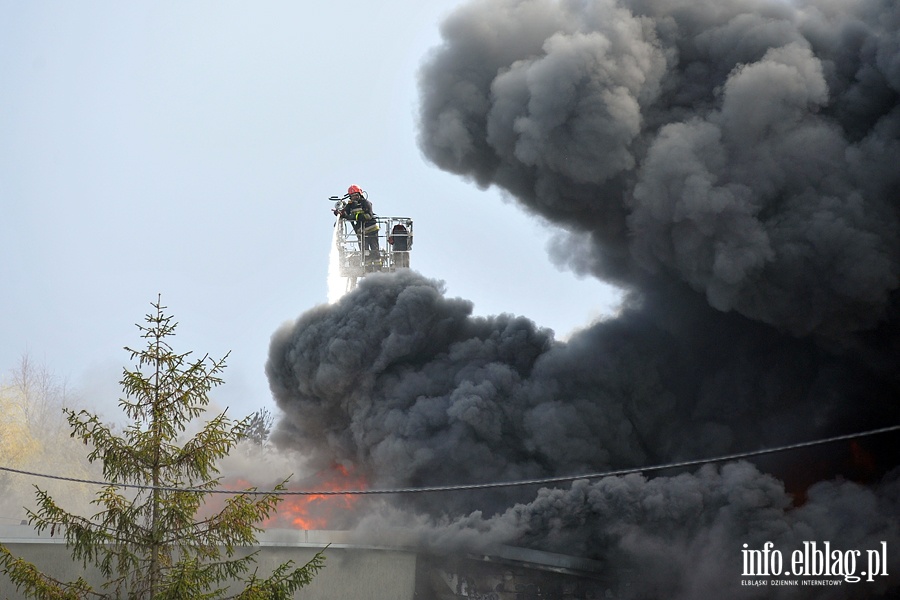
column 732, row 165
column 411, row 389
column 681, row 536
column 745, row 148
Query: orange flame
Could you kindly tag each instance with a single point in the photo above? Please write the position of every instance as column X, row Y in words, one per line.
column 319, row 511
column 862, row 460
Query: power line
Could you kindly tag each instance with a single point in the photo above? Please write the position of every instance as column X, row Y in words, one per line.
column 478, row 486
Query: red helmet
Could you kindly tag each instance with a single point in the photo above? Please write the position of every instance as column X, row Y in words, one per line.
column 354, row 189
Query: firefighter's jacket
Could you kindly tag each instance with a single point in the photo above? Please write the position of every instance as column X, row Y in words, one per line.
column 360, row 213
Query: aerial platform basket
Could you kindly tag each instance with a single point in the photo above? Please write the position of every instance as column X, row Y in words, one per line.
column 356, row 259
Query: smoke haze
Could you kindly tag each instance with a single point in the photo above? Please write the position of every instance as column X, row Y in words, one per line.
column 733, row 166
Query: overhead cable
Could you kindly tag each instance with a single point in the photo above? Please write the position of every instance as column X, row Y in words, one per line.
column 476, row 486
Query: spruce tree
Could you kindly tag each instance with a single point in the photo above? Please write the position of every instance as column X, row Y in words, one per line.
column 150, row 538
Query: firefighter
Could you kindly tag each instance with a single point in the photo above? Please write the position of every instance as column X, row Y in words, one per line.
column 358, row 210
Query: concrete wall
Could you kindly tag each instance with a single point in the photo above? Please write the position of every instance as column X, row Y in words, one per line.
column 371, row 566
column 351, row 572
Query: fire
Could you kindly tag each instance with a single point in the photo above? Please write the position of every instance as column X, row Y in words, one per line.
column 862, row 460
column 320, row 511
column 852, row 462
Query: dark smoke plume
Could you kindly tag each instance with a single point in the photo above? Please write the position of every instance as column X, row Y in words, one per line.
column 733, row 166
column 748, row 149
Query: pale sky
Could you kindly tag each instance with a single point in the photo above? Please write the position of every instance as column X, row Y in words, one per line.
column 189, row 149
